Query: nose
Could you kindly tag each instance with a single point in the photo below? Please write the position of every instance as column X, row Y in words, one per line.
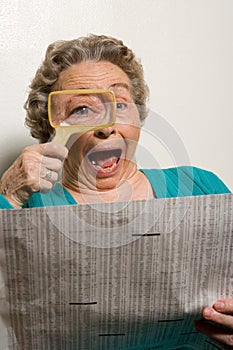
column 104, row 133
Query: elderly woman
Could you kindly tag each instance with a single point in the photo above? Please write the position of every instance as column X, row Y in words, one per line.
column 85, row 80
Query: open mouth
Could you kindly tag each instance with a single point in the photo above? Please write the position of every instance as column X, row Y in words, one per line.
column 105, row 161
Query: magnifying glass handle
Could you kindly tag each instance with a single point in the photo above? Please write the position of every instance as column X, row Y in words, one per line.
column 62, row 136
column 63, row 133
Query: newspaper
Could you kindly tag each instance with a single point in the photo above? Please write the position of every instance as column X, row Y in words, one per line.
column 114, row 276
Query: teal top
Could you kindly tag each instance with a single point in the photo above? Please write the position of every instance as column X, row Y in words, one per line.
column 166, row 183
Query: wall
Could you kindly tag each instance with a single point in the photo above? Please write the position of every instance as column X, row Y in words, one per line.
column 186, row 47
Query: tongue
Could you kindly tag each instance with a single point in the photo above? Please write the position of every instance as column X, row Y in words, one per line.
column 106, row 163
column 105, row 159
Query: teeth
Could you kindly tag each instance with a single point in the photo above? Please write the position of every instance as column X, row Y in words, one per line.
column 97, row 166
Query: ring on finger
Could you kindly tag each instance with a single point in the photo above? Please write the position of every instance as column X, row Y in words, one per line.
column 48, row 175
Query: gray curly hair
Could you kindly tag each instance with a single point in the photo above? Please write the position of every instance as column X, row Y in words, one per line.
column 60, row 55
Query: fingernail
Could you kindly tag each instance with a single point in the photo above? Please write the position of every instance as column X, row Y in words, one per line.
column 219, row 305
column 208, row 312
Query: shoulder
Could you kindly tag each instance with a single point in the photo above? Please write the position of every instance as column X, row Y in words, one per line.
column 4, row 204
column 184, row 181
column 208, row 181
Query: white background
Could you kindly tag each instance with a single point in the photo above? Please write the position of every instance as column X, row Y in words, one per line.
column 186, row 47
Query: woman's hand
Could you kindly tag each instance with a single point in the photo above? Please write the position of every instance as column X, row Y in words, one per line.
column 221, row 327
column 36, row 169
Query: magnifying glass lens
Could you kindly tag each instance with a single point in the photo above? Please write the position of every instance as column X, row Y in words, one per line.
column 81, row 109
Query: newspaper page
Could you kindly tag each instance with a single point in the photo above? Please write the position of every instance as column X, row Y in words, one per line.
column 115, row 275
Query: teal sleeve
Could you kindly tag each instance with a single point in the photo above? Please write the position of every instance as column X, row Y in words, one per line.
column 211, row 183
column 4, row 204
column 58, row 195
column 184, row 181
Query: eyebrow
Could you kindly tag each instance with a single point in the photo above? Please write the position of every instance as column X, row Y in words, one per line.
column 123, row 85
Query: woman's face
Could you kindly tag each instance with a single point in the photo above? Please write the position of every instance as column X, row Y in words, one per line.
column 101, row 159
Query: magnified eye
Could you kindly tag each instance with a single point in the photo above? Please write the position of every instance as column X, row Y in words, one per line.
column 121, row 105
column 84, row 115
column 82, row 110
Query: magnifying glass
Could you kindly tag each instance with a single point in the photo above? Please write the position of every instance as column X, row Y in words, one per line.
column 77, row 111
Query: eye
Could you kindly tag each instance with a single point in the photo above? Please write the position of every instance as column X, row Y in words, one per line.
column 82, row 110
column 121, row 105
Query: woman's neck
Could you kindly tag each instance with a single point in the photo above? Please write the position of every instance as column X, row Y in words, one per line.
column 136, row 188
